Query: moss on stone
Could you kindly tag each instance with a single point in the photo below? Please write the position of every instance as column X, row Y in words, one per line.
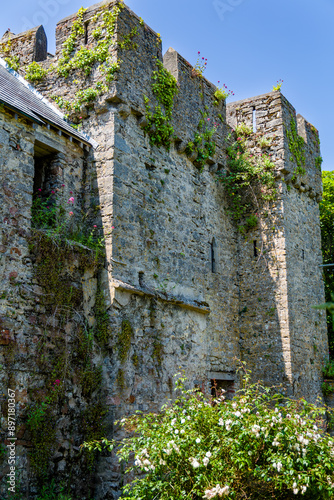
column 124, row 340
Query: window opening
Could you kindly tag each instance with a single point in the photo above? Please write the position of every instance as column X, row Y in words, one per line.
column 86, row 32
column 255, row 248
column 213, row 256
column 45, row 180
column 254, row 120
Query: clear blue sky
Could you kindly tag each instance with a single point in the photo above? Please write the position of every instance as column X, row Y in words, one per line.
column 249, row 44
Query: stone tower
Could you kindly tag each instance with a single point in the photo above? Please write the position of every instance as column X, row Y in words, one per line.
column 181, row 287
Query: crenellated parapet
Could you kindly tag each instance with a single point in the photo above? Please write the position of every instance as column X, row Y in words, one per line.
column 294, row 142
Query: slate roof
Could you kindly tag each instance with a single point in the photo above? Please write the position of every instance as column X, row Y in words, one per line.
column 21, row 97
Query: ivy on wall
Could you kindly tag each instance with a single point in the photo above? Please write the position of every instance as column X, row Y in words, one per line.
column 63, row 300
column 296, row 147
column 159, row 126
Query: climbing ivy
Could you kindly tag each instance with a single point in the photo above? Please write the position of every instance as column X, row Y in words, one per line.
column 318, row 162
column 13, row 62
column 35, row 72
column 124, row 340
column 165, row 88
column 202, row 143
column 296, row 147
column 249, row 180
column 63, row 301
column 86, row 57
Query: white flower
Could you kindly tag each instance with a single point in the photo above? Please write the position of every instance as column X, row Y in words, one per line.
column 221, row 421
column 294, row 485
column 183, row 420
column 182, row 431
column 188, row 417
column 234, row 405
column 162, row 462
column 227, row 424
column 274, row 465
column 138, row 462
column 304, row 488
column 295, row 491
column 208, row 454
column 205, row 461
column 224, row 491
column 217, row 490
column 237, row 414
column 194, row 462
column 173, row 422
column 176, row 431
column 198, row 440
column 279, row 466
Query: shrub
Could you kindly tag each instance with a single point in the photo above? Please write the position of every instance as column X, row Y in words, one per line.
column 260, row 445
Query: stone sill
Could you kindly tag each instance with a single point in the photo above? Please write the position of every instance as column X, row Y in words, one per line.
column 194, row 305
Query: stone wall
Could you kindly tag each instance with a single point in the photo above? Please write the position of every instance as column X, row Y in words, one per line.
column 48, row 300
column 279, row 268
column 29, row 46
column 181, row 288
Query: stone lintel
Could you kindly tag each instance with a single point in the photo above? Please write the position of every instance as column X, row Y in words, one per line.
column 198, row 306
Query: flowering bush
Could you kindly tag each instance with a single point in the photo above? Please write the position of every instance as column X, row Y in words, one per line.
column 222, row 93
column 260, row 445
column 200, row 65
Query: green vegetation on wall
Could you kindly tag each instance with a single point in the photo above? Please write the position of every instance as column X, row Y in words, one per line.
column 202, row 143
column 165, row 88
column 296, row 147
column 249, row 180
column 65, row 363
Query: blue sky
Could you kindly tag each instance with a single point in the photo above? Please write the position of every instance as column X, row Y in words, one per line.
column 249, row 44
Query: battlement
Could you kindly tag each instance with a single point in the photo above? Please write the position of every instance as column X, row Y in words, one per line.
column 29, row 46
column 187, row 282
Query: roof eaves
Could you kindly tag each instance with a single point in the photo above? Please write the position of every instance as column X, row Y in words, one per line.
column 82, row 136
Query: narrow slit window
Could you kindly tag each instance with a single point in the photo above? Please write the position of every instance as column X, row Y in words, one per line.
column 213, row 256
column 254, row 120
column 86, row 33
column 303, row 254
column 255, row 248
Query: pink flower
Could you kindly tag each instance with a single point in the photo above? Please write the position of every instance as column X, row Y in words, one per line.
column 39, row 189
column 71, row 200
column 71, row 192
column 112, row 227
column 47, row 207
column 198, row 52
column 52, row 192
column 63, row 185
column 95, row 225
column 57, row 381
column 71, row 213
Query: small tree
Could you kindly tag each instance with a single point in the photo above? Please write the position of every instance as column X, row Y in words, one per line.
column 327, row 237
column 261, row 445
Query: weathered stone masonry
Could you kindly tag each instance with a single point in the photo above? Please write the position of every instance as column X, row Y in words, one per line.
column 182, row 287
